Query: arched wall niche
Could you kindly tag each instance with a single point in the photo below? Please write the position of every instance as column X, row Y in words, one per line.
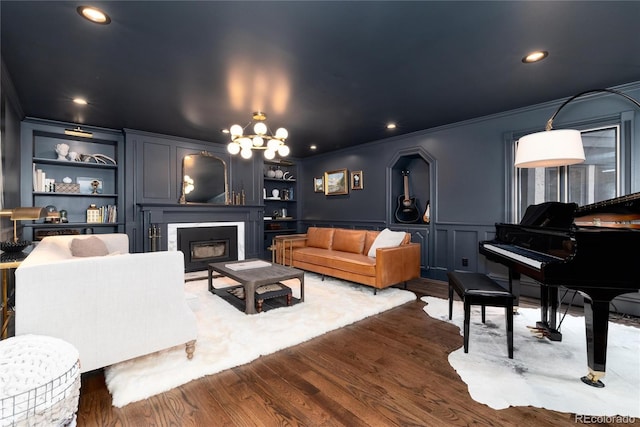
column 420, row 168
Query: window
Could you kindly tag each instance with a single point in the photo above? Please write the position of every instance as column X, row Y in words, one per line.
column 598, row 178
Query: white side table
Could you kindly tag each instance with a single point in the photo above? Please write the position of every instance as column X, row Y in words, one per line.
column 39, row 381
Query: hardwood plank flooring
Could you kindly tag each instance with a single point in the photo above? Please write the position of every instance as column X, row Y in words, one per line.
column 388, row 370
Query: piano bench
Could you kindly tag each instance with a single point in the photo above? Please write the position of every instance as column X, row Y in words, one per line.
column 479, row 289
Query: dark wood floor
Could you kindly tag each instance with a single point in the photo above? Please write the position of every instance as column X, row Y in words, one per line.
column 388, row 370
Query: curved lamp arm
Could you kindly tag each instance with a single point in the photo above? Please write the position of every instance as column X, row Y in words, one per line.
column 586, row 92
column 551, row 148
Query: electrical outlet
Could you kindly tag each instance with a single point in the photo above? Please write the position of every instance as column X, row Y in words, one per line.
column 465, row 262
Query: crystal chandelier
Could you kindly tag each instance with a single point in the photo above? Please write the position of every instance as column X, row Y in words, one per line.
column 257, row 138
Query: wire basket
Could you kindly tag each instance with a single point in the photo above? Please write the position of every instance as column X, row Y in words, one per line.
column 40, row 382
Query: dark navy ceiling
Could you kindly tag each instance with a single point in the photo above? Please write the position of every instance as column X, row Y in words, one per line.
column 333, row 73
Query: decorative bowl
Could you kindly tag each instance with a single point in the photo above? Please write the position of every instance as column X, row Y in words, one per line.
column 10, row 246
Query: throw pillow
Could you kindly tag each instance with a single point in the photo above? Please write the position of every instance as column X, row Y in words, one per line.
column 90, row 246
column 386, row 239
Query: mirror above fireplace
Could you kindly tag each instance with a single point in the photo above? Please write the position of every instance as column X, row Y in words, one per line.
column 204, row 179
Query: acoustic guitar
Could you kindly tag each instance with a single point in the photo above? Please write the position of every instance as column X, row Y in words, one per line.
column 426, row 217
column 407, row 212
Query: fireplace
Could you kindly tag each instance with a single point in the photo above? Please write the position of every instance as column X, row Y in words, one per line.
column 204, row 243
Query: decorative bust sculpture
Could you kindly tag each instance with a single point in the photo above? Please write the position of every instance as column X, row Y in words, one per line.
column 62, row 150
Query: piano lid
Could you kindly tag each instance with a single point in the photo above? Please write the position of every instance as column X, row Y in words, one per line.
column 620, row 212
column 549, row 214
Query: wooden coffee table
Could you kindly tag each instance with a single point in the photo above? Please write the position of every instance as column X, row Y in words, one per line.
column 253, row 273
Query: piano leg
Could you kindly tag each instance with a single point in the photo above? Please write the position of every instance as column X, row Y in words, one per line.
column 549, row 312
column 514, row 287
column 596, row 316
column 553, row 306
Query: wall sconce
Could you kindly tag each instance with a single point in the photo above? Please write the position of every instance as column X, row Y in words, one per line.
column 78, row 132
column 20, row 214
column 556, row 147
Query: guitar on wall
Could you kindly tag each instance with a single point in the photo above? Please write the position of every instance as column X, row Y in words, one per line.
column 407, row 212
column 426, row 217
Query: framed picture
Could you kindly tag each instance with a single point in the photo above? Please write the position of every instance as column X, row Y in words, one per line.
column 335, row 182
column 318, row 185
column 356, row 180
column 89, row 185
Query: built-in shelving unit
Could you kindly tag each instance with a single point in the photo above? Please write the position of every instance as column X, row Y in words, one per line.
column 280, row 194
column 45, row 174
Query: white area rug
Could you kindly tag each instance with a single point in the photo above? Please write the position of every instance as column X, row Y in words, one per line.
column 542, row 373
column 227, row 337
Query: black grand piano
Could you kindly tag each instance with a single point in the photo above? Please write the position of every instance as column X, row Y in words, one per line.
column 592, row 249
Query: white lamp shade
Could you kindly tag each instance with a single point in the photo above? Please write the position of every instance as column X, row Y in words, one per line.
column 260, row 128
column 233, row 148
column 245, row 143
column 245, row 153
column 282, row 133
column 273, row 144
column 235, row 130
column 258, row 141
column 283, row 151
column 269, row 154
column 549, row 149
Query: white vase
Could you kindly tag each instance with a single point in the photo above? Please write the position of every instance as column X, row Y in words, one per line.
column 275, row 192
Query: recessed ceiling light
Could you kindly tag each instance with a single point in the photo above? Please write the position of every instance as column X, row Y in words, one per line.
column 313, row 147
column 80, row 101
column 391, row 126
column 224, row 130
column 536, row 56
column 94, row 14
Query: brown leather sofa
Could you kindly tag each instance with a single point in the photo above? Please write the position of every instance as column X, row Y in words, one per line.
column 342, row 253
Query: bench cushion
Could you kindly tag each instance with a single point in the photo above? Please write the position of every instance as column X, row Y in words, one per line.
column 467, row 283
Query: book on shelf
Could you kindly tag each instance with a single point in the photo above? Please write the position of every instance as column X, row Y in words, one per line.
column 109, row 213
column 41, row 176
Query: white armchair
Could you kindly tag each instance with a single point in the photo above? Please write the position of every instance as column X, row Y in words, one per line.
column 111, row 308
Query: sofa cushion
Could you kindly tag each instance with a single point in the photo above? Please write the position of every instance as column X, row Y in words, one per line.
column 90, row 246
column 358, row 264
column 348, row 240
column 387, row 239
column 320, row 237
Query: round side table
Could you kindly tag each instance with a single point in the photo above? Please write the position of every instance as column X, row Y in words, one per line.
column 39, row 381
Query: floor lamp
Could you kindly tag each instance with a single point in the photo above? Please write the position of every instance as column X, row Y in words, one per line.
column 551, row 147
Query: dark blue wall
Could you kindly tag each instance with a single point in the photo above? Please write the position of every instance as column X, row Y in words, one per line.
column 10, row 117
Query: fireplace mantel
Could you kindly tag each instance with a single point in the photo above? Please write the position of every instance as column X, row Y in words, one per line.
column 156, row 216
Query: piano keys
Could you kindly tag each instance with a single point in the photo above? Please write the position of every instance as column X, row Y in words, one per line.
column 592, row 258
